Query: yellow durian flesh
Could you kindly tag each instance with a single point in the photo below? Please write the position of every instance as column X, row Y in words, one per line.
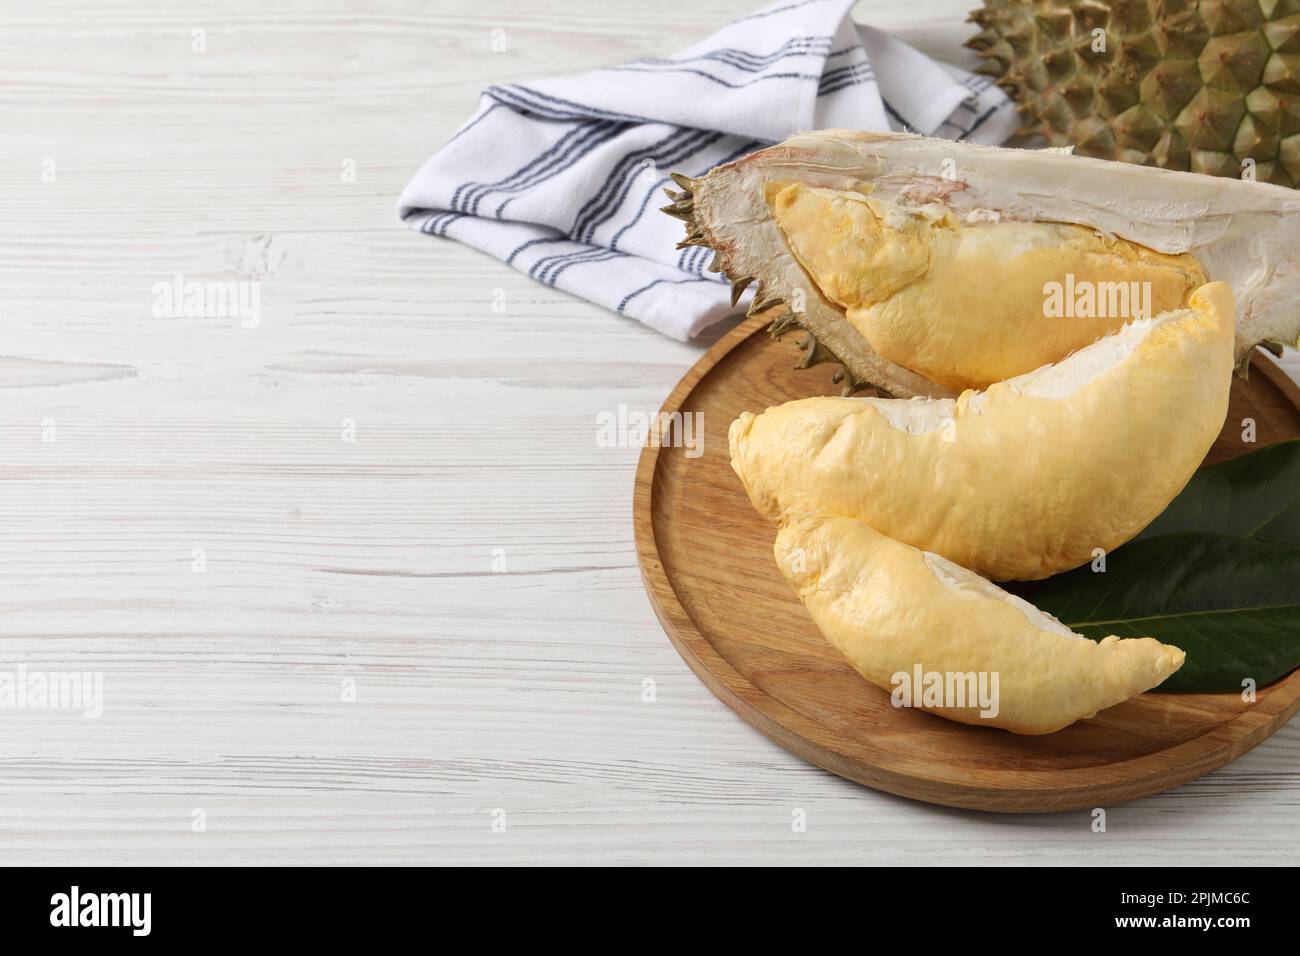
column 1025, row 479
column 964, row 303
column 888, row 608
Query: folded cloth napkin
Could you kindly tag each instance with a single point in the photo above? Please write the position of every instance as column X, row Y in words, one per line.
column 562, row 178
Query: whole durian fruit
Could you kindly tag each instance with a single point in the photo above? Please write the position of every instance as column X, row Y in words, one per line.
column 1199, row 85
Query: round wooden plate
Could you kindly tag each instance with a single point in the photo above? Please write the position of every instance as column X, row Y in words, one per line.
column 706, row 559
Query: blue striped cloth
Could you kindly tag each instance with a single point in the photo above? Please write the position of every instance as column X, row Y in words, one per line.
column 562, row 178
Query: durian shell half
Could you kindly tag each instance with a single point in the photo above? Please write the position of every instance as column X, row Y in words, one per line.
column 1246, row 234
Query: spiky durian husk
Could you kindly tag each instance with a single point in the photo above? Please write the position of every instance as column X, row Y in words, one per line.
column 823, row 337
column 1198, row 85
column 850, row 376
column 1245, row 234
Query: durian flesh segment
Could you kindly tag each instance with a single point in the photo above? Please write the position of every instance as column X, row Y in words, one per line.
column 965, row 303
column 1025, row 479
column 889, row 608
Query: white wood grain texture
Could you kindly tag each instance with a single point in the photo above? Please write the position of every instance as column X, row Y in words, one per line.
column 372, row 560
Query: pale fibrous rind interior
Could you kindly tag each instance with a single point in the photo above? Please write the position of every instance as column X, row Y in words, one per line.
column 1246, row 234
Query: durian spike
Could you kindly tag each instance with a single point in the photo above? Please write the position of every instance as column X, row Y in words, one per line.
column 784, row 324
column 814, row 353
column 848, row 382
column 683, row 210
column 764, row 300
column 738, row 288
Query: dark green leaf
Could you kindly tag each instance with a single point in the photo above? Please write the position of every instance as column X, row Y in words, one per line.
column 1254, row 496
column 1232, row 604
column 1217, row 574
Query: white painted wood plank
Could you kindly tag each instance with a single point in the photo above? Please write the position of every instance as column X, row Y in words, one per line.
column 372, row 561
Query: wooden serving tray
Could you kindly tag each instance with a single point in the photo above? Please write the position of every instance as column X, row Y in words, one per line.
column 706, row 559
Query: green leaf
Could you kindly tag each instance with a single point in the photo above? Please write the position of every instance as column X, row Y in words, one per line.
column 1255, row 496
column 1217, row 574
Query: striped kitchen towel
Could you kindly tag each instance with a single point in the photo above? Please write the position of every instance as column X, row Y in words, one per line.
column 563, row 178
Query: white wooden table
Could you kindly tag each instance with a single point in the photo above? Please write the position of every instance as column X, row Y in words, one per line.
column 180, row 510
